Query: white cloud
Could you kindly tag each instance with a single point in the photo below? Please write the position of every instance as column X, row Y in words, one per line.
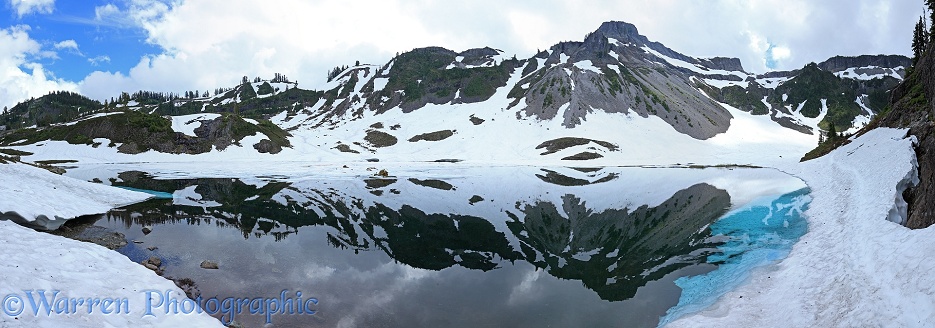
column 107, row 11
column 212, row 43
column 95, row 61
column 26, row 7
column 20, row 77
column 781, row 53
column 67, row 45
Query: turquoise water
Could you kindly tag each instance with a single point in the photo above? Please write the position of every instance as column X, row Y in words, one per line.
column 156, row 194
column 756, row 235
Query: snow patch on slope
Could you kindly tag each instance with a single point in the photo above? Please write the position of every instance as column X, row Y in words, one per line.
column 186, row 124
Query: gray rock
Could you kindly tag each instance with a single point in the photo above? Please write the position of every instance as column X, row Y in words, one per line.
column 209, row 265
column 155, row 261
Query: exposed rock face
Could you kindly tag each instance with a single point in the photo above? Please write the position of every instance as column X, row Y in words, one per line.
column 723, row 63
column 913, row 107
column 840, row 63
column 611, row 71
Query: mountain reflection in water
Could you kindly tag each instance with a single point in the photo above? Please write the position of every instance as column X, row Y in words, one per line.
column 615, row 230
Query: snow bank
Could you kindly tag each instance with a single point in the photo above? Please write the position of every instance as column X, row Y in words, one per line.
column 36, row 197
column 853, row 267
column 36, row 261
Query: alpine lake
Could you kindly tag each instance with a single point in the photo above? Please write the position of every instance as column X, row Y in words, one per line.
column 450, row 245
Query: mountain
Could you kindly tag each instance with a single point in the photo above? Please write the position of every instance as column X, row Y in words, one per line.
column 614, row 98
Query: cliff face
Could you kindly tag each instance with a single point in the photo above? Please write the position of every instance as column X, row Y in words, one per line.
column 840, row 63
column 912, row 107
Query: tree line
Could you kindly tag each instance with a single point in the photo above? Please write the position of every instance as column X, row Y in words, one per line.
column 923, row 35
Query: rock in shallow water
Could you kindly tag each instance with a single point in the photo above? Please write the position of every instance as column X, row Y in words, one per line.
column 209, row 265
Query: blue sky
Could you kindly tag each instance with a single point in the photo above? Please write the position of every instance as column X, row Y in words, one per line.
column 100, row 45
column 103, row 47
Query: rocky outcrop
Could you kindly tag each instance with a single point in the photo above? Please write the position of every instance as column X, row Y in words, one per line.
column 723, row 63
column 610, row 71
column 840, row 63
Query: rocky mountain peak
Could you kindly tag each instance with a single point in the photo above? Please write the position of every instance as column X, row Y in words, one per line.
column 623, row 31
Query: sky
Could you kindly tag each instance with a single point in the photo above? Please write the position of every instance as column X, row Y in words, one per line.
column 103, row 47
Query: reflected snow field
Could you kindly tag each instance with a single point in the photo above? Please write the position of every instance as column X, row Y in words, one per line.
column 458, row 246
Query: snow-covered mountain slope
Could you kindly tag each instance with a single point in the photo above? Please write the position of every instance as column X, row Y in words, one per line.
column 484, row 132
column 615, row 98
column 856, row 266
column 844, row 91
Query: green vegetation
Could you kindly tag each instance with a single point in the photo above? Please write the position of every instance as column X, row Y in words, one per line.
column 742, row 99
column 152, row 123
column 128, row 127
column 614, row 80
column 55, row 107
column 422, row 72
column 548, row 101
column 811, row 86
column 247, row 92
column 241, row 129
column 920, row 39
column 291, row 100
column 831, row 140
column 265, row 89
column 139, row 132
column 917, row 96
column 276, row 134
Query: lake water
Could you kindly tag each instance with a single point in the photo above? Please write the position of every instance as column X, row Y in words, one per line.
column 453, row 246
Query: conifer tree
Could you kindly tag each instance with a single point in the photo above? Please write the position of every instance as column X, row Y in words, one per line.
column 931, row 10
column 919, row 40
